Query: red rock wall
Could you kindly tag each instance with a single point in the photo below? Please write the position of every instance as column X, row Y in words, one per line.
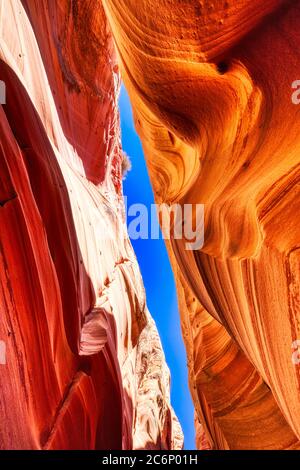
column 211, row 86
column 210, row 83
column 84, row 365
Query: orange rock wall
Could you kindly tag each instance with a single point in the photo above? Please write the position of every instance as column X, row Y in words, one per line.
column 210, row 83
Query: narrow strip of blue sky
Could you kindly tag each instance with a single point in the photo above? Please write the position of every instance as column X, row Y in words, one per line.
column 158, row 277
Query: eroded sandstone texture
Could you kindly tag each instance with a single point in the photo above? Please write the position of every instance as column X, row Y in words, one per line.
column 210, row 82
column 84, row 365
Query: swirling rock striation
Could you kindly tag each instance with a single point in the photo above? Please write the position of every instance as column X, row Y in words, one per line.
column 210, row 83
column 84, row 364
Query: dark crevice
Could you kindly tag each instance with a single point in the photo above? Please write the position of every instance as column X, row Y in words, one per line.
column 222, row 67
column 5, row 201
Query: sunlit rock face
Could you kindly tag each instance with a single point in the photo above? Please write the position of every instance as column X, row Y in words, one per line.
column 211, row 85
column 83, row 365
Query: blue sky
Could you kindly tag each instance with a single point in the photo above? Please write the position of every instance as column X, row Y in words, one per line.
column 158, row 277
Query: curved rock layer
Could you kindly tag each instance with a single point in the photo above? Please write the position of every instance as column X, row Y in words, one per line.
column 211, row 85
column 84, row 367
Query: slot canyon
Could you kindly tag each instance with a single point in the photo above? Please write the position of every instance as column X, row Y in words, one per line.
column 211, row 88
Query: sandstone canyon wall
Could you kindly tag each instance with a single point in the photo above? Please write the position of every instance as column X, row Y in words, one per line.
column 84, row 367
column 210, row 83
